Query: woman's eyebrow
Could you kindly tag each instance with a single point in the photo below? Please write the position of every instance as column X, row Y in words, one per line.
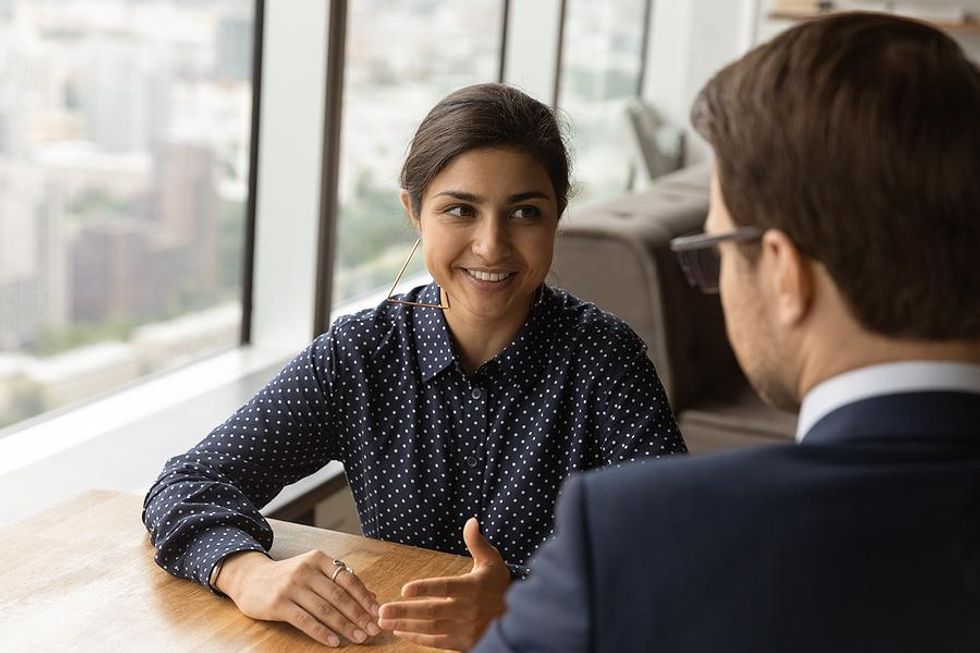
column 530, row 195
column 512, row 199
column 460, row 195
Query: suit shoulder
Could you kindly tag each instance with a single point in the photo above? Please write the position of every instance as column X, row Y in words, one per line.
column 682, row 476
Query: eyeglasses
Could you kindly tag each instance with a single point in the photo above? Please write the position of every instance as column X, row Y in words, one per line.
column 700, row 259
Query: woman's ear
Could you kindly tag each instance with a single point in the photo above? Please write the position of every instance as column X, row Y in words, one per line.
column 407, row 203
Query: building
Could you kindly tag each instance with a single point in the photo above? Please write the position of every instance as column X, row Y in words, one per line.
column 32, row 255
column 233, row 48
column 123, row 269
column 124, row 96
column 186, row 208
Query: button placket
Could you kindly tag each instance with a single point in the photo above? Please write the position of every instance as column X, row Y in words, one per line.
column 479, row 413
column 470, row 453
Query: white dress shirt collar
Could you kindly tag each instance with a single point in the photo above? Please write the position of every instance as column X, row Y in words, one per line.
column 884, row 379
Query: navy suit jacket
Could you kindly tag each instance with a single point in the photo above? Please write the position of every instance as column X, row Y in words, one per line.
column 865, row 537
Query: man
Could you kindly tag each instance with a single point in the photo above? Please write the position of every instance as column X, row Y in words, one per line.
column 845, row 228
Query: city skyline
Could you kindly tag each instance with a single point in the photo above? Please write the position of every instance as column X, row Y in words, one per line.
column 124, row 134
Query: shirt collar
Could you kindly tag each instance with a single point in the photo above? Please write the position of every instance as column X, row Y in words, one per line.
column 435, row 350
column 884, row 379
column 434, row 347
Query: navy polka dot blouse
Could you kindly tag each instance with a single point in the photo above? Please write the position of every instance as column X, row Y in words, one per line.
column 424, row 445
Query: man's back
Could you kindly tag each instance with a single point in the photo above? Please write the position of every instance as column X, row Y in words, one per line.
column 866, row 537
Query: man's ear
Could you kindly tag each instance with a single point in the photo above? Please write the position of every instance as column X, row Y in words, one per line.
column 792, row 283
column 407, row 203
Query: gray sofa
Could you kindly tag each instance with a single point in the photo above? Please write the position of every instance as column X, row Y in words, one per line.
column 617, row 255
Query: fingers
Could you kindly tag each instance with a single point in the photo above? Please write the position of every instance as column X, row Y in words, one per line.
column 459, row 608
column 367, row 599
column 300, row 618
column 453, row 586
column 341, row 602
column 434, row 641
column 482, row 552
column 455, row 622
column 345, row 592
column 421, row 609
column 326, row 612
column 421, row 626
column 335, row 606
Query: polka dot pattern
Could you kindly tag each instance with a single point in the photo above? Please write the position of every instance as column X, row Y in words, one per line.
column 424, row 445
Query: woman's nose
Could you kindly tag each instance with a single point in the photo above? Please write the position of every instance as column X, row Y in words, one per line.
column 491, row 242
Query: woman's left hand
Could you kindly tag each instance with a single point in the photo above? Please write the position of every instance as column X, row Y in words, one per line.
column 452, row 613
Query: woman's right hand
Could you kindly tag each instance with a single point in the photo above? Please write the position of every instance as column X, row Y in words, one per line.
column 299, row 591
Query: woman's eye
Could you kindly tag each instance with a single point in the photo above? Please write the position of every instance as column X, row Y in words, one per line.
column 461, row 211
column 527, row 212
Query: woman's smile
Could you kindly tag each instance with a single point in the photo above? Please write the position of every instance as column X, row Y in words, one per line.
column 489, row 282
column 492, row 277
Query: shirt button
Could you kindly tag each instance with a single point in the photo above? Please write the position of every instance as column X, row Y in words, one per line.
column 472, row 461
column 477, row 393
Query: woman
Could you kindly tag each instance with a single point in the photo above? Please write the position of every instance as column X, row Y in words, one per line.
column 475, row 395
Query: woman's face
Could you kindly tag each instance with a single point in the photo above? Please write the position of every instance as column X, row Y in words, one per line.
column 488, row 225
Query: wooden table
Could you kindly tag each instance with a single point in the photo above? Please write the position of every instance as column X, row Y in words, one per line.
column 81, row 577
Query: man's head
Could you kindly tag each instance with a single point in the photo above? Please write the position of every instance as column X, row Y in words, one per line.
column 853, row 144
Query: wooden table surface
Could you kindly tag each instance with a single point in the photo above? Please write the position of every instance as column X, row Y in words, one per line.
column 81, row 577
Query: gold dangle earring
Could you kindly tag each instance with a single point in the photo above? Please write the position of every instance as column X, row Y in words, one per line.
column 443, row 304
column 538, row 296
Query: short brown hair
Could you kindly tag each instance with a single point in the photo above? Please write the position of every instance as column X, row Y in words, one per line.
column 485, row 115
column 858, row 135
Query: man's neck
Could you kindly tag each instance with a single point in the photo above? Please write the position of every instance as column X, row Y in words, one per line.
column 865, row 350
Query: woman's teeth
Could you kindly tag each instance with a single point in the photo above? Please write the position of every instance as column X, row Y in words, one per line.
column 488, row 276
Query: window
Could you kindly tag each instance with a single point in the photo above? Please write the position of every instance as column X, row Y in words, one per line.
column 402, row 57
column 600, row 73
column 124, row 150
